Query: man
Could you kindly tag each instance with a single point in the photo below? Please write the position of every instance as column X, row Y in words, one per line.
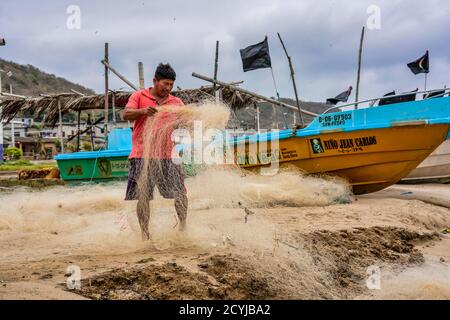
column 161, row 170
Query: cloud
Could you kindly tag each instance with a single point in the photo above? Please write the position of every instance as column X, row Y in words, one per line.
column 322, row 39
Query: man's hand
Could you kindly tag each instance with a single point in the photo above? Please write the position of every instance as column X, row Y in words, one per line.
column 149, row 111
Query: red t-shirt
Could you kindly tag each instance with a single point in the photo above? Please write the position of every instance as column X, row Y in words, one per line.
column 140, row 100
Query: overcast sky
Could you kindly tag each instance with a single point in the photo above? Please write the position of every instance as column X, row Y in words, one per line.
column 322, row 38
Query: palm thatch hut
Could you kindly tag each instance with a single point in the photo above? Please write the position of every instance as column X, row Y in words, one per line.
column 47, row 106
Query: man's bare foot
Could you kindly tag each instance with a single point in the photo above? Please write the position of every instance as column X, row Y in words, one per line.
column 182, row 225
column 145, row 235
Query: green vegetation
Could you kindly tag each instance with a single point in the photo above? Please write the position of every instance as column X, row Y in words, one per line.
column 13, row 153
column 24, row 165
column 86, row 146
column 32, row 183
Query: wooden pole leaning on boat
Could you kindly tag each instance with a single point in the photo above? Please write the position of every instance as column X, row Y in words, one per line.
column 216, row 67
column 293, row 81
column 358, row 75
column 258, row 96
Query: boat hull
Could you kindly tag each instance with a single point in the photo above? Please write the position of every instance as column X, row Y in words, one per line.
column 435, row 168
column 94, row 168
column 369, row 160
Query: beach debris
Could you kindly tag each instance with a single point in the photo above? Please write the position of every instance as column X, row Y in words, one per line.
column 246, row 210
column 446, row 230
column 342, row 200
column 406, row 193
column 277, row 240
column 226, row 240
column 145, row 260
column 52, row 173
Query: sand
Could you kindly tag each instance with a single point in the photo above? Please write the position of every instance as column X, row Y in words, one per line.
column 307, row 238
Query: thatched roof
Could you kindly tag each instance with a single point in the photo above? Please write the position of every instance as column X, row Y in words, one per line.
column 72, row 102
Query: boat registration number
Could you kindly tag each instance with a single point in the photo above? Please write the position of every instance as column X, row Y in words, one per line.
column 336, row 120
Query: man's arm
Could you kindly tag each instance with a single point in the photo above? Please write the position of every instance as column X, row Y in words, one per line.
column 132, row 110
column 133, row 114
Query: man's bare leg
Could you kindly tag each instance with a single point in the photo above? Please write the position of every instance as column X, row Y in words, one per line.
column 181, row 205
column 143, row 213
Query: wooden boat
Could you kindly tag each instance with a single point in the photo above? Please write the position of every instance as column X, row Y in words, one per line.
column 435, row 168
column 110, row 163
column 372, row 148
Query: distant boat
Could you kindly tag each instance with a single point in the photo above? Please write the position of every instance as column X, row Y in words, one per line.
column 435, row 168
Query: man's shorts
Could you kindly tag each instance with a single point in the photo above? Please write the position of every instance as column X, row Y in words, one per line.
column 163, row 173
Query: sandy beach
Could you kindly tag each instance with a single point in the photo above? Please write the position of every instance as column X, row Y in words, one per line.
column 315, row 243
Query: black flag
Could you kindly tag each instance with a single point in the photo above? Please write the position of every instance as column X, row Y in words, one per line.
column 342, row 97
column 421, row 65
column 256, row 56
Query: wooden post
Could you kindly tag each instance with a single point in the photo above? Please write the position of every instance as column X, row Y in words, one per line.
column 78, row 130
column 141, row 75
column 293, row 81
column 106, row 89
column 90, row 132
column 1, row 124
column 60, row 126
column 113, row 103
column 13, row 137
column 257, row 127
column 216, row 67
column 359, row 66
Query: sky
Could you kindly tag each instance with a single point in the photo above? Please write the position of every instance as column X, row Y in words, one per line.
column 321, row 36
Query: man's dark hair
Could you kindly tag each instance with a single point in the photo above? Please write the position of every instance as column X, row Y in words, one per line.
column 165, row 71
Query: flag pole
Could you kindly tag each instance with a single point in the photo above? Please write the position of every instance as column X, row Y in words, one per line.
column 275, row 84
column 426, row 75
column 293, row 81
column 358, row 75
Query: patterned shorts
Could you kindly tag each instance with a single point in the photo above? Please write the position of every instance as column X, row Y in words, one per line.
column 163, row 173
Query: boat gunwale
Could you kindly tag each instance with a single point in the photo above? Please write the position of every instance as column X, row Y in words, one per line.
column 314, row 131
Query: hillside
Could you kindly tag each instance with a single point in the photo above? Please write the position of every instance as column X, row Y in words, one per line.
column 30, row 81
column 273, row 117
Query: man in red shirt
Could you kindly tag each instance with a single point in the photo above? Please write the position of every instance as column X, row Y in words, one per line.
column 159, row 168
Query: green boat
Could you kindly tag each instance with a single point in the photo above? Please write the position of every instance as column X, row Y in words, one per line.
column 111, row 163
